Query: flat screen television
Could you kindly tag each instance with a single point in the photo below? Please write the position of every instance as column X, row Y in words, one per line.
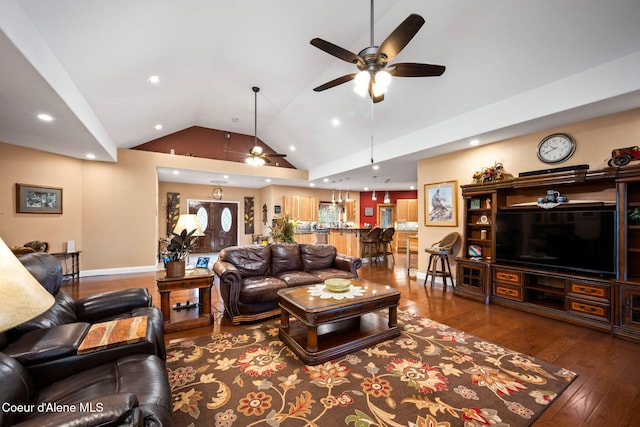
column 558, row 240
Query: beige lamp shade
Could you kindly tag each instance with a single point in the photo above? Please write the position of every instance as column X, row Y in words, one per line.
column 23, row 296
column 188, row 222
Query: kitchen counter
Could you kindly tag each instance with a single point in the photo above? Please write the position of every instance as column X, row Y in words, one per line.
column 347, row 240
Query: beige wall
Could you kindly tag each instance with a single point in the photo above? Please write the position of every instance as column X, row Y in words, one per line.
column 115, row 212
column 595, row 140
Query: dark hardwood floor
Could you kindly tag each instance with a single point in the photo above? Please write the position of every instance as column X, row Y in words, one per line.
column 606, row 393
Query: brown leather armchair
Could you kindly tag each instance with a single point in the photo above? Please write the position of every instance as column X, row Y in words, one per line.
column 47, row 345
column 129, row 391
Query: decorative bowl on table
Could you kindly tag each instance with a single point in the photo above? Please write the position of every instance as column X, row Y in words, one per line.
column 337, row 285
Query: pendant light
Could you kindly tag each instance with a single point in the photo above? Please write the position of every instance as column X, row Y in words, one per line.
column 387, row 199
column 340, row 193
column 333, row 193
column 254, row 159
column 373, row 195
column 348, row 199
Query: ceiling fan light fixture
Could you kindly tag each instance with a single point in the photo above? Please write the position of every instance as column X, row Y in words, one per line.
column 362, row 80
column 383, row 78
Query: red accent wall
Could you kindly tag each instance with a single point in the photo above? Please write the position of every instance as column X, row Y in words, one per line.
column 366, row 202
column 209, row 143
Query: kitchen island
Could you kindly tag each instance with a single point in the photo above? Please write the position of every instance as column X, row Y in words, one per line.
column 347, row 240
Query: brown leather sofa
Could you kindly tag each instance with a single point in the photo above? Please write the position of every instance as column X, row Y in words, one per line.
column 130, row 391
column 250, row 276
column 47, row 345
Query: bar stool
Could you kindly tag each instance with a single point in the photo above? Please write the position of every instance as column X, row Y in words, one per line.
column 440, row 251
column 371, row 243
column 386, row 240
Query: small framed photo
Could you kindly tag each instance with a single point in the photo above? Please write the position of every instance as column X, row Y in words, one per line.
column 203, row 262
column 475, row 251
column 368, row 211
column 474, row 203
column 277, row 209
column 37, row 199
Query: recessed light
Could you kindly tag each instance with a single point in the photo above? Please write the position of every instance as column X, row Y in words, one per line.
column 235, row 120
column 474, row 142
column 412, row 188
column 376, row 167
column 312, row 184
column 158, row 126
column 366, row 188
column 154, row 80
column 325, row 180
column 292, row 147
column 225, row 176
column 176, row 172
column 90, row 156
column 335, row 122
column 45, row 117
column 268, row 180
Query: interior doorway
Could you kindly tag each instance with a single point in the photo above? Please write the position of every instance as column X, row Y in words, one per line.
column 219, row 221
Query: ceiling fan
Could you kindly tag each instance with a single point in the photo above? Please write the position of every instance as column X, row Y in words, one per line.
column 374, row 72
column 256, row 156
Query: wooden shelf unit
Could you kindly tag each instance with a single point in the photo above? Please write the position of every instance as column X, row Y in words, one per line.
column 589, row 300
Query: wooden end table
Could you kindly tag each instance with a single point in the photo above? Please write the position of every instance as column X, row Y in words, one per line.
column 330, row 328
column 198, row 278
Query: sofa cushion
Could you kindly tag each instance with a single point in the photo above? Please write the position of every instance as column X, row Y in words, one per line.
column 298, row 278
column 285, row 257
column 332, row 273
column 258, row 289
column 316, row 257
column 250, row 261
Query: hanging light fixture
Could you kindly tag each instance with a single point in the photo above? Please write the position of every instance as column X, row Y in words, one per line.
column 340, row 193
column 387, row 199
column 254, row 159
column 373, row 195
column 347, row 195
column 333, row 193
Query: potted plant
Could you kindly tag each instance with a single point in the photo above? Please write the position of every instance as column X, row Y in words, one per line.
column 178, row 247
column 634, row 216
column 283, row 229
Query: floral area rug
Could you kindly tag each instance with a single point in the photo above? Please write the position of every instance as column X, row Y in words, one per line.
column 431, row 375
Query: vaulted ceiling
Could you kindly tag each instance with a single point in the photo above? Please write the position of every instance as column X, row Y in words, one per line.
column 512, row 68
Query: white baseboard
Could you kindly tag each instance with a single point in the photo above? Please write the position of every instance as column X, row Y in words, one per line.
column 121, row 270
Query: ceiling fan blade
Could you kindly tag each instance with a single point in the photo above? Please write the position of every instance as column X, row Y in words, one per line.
column 337, row 51
column 399, row 38
column 412, row 69
column 335, row 82
column 274, row 155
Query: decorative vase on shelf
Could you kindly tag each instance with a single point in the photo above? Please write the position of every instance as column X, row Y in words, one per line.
column 175, row 268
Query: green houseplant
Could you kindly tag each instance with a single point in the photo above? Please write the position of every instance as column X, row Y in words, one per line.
column 178, row 247
column 283, row 229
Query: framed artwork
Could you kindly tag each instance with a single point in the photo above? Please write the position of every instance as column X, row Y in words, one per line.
column 277, row 209
column 368, row 211
column 203, row 262
column 37, row 199
column 440, row 204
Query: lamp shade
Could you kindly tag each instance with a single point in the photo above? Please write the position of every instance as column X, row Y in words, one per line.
column 24, row 297
column 188, row 222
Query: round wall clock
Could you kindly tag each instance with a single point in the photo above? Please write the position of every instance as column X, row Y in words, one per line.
column 556, row 148
column 217, row 193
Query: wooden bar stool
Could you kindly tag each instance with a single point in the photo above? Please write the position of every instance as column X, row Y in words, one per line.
column 371, row 244
column 440, row 251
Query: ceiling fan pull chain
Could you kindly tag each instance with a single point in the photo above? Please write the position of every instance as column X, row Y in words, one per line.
column 372, row 132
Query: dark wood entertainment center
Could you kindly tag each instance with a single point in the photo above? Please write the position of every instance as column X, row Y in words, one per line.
column 608, row 304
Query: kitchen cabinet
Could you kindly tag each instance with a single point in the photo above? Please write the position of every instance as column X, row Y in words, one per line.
column 300, row 208
column 407, row 210
column 350, row 210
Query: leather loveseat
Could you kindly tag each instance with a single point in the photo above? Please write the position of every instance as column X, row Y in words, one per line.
column 250, row 276
column 47, row 345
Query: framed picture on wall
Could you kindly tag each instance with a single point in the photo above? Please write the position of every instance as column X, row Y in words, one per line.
column 37, row 199
column 440, row 204
column 368, row 211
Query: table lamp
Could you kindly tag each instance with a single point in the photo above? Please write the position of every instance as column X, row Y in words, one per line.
column 188, row 222
column 23, row 296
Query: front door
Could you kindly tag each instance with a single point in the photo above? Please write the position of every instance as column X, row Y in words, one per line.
column 219, row 221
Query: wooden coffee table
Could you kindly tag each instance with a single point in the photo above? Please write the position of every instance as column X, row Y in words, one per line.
column 330, row 328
